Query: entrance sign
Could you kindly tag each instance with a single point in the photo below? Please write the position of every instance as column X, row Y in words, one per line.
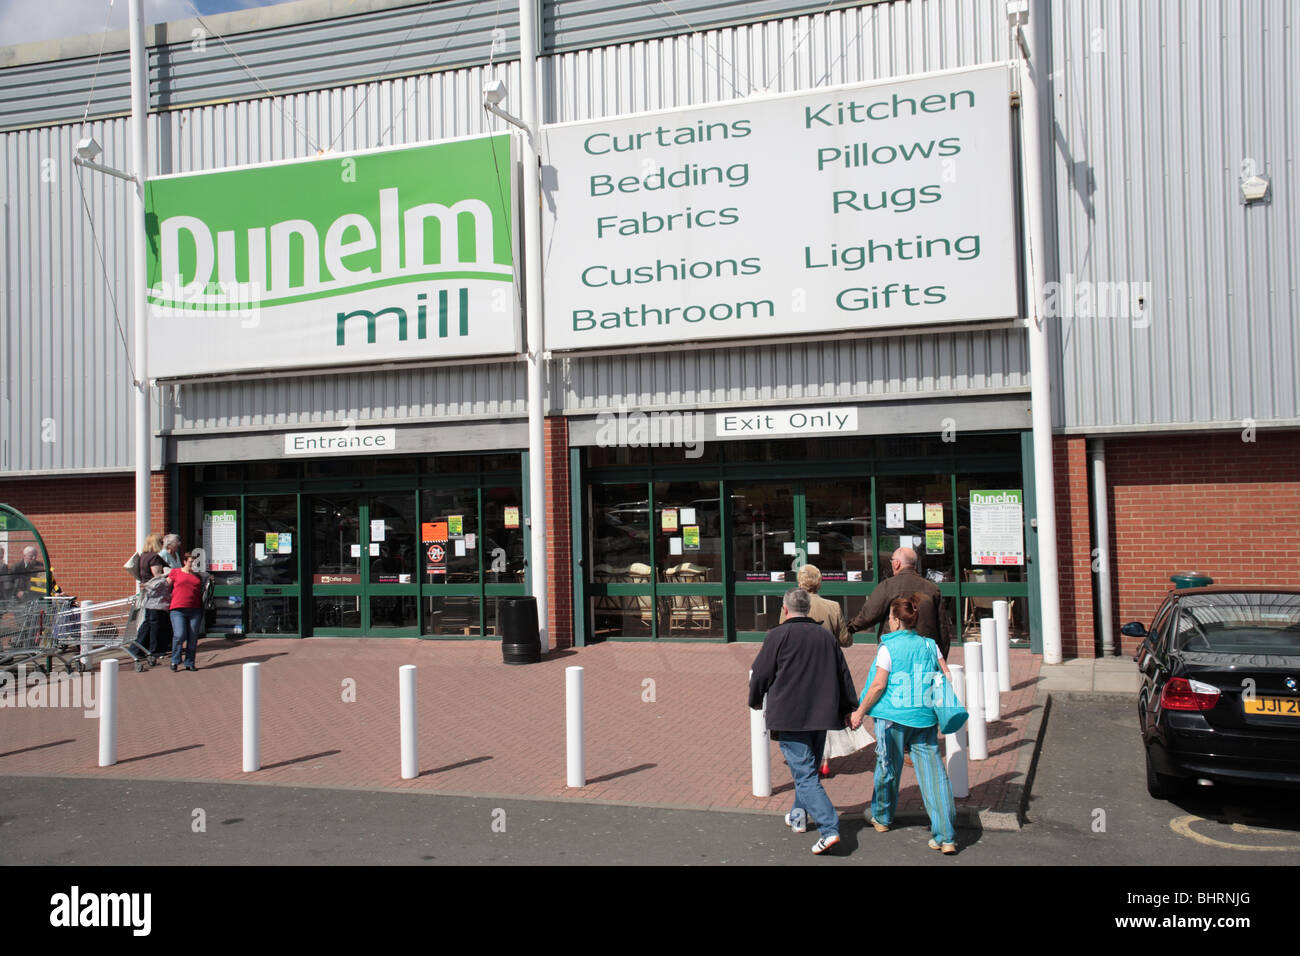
column 385, row 255
column 860, row 207
column 341, row 441
column 787, row 421
column 997, row 527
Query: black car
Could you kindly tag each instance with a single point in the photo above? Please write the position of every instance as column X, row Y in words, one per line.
column 1220, row 695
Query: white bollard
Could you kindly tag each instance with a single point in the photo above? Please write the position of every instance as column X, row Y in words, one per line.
column 409, row 711
column 954, row 745
column 252, row 718
column 87, row 610
column 573, row 699
column 978, row 740
column 760, row 752
column 108, row 713
column 989, row 640
column 1002, row 621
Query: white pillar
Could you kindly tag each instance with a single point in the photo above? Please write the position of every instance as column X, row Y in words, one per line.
column 252, row 717
column 577, row 774
column 954, row 745
column 760, row 752
column 139, row 265
column 1101, row 521
column 108, row 713
column 87, row 615
column 1002, row 624
column 972, row 653
column 989, row 643
column 1040, row 359
column 536, row 355
column 409, row 712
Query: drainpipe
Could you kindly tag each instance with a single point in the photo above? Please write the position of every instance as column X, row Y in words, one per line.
column 1029, row 22
column 532, row 239
column 1101, row 519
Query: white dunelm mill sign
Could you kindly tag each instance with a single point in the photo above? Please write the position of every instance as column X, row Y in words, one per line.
column 871, row 206
column 787, row 421
column 346, row 441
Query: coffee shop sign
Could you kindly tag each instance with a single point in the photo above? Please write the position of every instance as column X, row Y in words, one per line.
column 794, row 421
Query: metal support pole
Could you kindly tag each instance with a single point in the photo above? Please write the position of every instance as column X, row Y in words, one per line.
column 139, row 266
column 532, row 242
column 1101, row 518
column 1030, row 65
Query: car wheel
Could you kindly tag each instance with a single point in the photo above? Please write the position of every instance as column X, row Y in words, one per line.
column 1159, row 785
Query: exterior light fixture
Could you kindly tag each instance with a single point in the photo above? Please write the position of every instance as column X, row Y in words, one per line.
column 1255, row 189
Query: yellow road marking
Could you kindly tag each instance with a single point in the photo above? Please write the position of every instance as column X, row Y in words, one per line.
column 1183, row 826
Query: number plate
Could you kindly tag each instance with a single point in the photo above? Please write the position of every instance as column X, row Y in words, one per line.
column 1273, row 706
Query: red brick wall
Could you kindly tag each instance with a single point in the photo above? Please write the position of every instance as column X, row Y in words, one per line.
column 1211, row 503
column 1074, row 546
column 88, row 526
column 559, row 535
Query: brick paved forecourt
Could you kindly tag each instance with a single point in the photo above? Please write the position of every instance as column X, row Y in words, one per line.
column 487, row 728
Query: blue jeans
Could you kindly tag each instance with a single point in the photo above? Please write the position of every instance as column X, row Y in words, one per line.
column 185, row 633
column 802, row 750
column 936, row 792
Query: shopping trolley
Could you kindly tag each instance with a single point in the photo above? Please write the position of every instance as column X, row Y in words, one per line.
column 24, row 631
column 83, row 632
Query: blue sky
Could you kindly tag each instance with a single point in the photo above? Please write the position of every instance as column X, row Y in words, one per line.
column 23, row 21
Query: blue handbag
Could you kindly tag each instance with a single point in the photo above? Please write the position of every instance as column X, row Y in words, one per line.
column 952, row 716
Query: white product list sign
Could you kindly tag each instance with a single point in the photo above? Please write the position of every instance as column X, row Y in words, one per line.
column 872, row 206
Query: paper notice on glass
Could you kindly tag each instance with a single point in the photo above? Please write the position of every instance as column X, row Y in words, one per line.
column 377, row 530
column 456, row 525
column 272, row 542
column 789, row 547
column 691, row 537
column 471, row 540
column 814, row 547
column 374, row 549
column 997, row 526
column 286, row 543
column 855, row 575
column 668, row 519
column 894, row 515
column 688, row 515
column 511, row 514
column 934, row 515
column 934, row 541
column 915, row 511
column 778, row 575
column 403, row 579
column 674, row 545
column 460, row 547
column 356, row 551
column 259, row 551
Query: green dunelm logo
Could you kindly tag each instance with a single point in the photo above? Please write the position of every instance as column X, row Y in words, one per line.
column 417, row 240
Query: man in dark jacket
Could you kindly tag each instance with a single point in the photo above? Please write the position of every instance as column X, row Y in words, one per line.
column 905, row 583
column 809, row 691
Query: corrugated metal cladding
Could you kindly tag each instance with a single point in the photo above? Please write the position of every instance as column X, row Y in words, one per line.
column 1159, row 110
column 959, row 363
column 405, row 40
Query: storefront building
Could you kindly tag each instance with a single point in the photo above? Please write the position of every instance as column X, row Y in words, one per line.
column 784, row 271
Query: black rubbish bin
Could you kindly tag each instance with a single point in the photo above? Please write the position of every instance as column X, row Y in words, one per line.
column 1191, row 579
column 521, row 642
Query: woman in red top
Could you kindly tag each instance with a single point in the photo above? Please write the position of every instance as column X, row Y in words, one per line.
column 186, row 611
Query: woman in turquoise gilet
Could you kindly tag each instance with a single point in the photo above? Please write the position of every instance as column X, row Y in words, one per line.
column 896, row 697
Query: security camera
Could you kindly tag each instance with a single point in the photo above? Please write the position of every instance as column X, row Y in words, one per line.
column 88, row 149
column 494, row 92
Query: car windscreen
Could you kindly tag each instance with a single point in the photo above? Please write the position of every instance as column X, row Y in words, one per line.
column 1239, row 623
